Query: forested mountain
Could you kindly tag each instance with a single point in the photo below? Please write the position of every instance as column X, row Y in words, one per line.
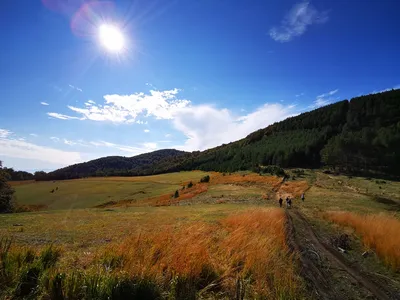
column 142, row 164
column 357, row 136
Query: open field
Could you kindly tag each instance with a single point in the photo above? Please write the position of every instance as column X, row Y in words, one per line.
column 225, row 239
column 89, row 192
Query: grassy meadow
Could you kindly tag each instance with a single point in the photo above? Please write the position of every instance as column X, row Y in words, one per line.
column 119, row 237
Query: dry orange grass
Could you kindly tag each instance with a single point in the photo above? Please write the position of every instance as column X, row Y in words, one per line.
column 293, row 188
column 249, row 245
column 249, row 178
column 378, row 232
column 187, row 193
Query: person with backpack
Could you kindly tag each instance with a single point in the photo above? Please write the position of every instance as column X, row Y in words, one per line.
column 302, row 197
column 280, row 201
column 290, row 203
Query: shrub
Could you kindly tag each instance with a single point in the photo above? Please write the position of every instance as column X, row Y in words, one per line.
column 274, row 170
column 6, row 194
column 176, row 195
column 190, row 185
column 205, row 179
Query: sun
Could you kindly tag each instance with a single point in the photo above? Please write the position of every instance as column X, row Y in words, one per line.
column 111, row 38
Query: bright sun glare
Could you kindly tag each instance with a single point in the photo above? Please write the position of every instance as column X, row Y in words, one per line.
column 111, row 38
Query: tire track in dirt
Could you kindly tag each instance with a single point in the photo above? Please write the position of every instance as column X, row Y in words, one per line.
column 321, row 281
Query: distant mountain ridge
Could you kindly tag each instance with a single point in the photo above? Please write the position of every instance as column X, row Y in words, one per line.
column 116, row 165
column 356, row 136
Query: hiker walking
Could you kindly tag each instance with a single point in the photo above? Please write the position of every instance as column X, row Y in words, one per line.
column 287, row 202
column 302, row 197
column 290, row 203
column 280, row 201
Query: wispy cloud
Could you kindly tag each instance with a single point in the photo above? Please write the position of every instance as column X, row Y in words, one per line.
column 19, row 148
column 331, row 93
column 5, row 133
column 299, row 95
column 132, row 150
column 55, row 139
column 152, row 146
column 75, row 88
column 296, row 22
column 146, row 130
column 168, row 135
column 386, row 90
column 126, row 108
column 44, row 103
column 69, row 142
column 62, row 117
column 324, row 99
column 33, row 134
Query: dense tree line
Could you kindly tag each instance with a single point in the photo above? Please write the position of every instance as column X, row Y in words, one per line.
column 357, row 136
column 18, row 175
column 6, row 192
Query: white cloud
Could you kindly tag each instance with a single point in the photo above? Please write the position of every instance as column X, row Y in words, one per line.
column 21, row 149
column 386, row 90
column 132, row 150
column 44, row 103
column 146, row 130
column 126, row 108
column 62, row 117
column 33, row 134
column 324, row 99
column 320, row 102
column 5, row 133
column 55, row 139
column 168, row 135
column 299, row 95
column 75, row 88
column 68, row 142
column 297, row 20
column 206, row 126
column 331, row 93
column 151, row 146
column 92, row 102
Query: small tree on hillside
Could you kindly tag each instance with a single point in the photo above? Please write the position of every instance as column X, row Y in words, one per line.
column 205, row 179
column 6, row 193
column 190, row 185
column 176, row 195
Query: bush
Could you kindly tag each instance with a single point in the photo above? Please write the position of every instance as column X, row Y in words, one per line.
column 176, row 195
column 205, row 179
column 6, row 194
column 190, row 185
column 274, row 170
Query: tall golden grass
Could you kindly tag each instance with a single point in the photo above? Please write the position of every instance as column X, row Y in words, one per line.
column 379, row 232
column 249, row 246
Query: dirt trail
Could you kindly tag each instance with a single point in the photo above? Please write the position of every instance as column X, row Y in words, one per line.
column 327, row 273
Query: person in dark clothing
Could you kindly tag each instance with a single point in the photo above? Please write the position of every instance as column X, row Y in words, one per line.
column 302, row 197
column 280, row 201
column 290, row 203
column 287, row 202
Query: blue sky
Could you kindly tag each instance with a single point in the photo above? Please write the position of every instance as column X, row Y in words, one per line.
column 192, row 74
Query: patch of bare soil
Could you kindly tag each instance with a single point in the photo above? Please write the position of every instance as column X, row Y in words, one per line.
column 327, row 273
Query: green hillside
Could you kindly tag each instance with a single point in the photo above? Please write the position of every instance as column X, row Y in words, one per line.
column 358, row 136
